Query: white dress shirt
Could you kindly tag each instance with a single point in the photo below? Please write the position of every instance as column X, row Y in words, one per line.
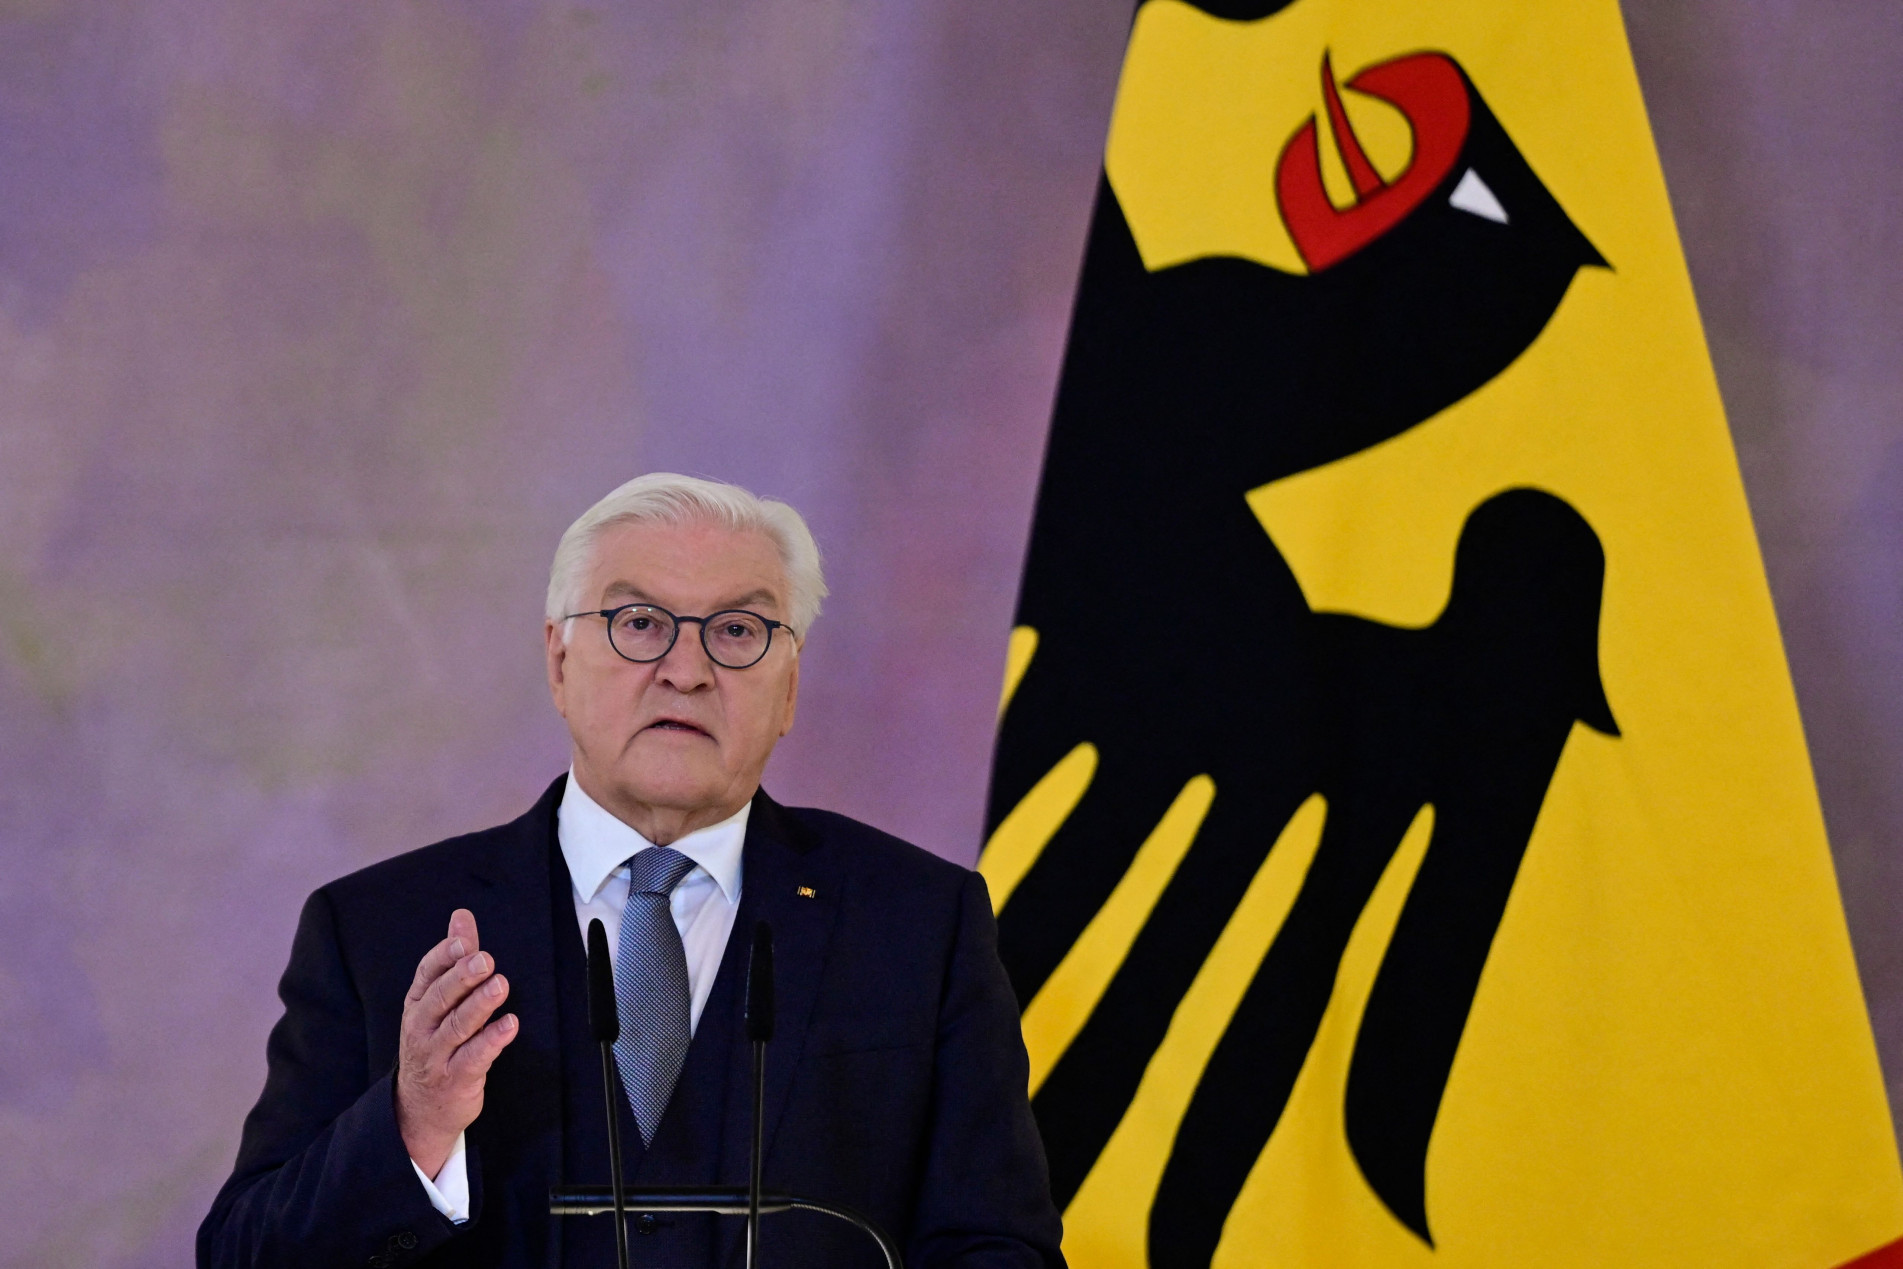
column 597, row 847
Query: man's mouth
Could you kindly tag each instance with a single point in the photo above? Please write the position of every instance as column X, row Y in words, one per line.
column 675, row 724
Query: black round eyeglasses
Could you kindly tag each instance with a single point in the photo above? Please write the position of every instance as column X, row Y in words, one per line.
column 734, row 638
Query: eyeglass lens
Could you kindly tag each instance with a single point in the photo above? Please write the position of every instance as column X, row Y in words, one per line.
column 734, row 639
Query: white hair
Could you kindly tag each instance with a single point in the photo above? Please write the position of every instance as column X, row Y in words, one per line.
column 664, row 498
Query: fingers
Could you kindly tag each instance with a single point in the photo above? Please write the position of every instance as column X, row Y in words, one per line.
column 435, row 963
column 468, row 1017
column 452, row 987
column 473, row 1059
column 438, row 960
column 462, row 925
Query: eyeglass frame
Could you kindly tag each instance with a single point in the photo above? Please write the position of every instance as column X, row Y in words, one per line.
column 610, row 614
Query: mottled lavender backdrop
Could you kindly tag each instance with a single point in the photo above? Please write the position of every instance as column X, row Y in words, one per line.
column 319, row 320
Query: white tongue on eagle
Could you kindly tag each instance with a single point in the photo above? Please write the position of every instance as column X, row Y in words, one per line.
column 1472, row 195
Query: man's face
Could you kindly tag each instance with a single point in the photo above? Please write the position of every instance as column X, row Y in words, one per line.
column 679, row 743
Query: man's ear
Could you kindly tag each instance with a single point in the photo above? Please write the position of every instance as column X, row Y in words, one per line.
column 792, row 696
column 555, row 649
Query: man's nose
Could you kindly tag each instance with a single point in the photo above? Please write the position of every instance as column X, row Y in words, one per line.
column 686, row 665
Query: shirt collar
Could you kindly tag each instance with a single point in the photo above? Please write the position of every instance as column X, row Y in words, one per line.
column 594, row 843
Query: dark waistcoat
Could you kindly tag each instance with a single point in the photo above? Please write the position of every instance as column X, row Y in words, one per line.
column 687, row 1146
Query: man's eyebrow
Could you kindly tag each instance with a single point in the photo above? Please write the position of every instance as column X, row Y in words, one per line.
column 628, row 589
column 634, row 594
column 752, row 597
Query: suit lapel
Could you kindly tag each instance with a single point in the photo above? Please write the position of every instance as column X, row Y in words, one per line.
column 519, row 1134
column 780, row 860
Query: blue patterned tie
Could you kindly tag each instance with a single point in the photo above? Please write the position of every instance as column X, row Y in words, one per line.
column 651, row 987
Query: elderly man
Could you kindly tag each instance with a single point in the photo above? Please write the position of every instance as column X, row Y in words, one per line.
column 433, row 1074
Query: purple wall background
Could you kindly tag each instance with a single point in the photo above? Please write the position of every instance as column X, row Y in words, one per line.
column 319, row 320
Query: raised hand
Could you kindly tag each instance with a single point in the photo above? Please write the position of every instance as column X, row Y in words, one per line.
column 448, row 1043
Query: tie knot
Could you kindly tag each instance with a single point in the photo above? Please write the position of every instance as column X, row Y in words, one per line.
column 657, row 870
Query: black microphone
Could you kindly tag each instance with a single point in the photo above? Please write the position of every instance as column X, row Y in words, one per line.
column 760, row 985
column 604, row 1020
column 759, row 1031
column 604, row 1017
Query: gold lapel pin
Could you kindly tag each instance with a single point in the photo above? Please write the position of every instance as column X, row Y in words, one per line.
column 806, row 892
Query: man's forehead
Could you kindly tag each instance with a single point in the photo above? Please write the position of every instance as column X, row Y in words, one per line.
column 664, row 563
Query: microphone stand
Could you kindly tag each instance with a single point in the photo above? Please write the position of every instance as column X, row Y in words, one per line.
column 750, row 1201
column 604, row 1019
column 721, row 1200
column 759, row 1031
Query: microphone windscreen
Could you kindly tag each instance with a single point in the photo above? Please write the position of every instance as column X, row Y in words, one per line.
column 603, row 1018
column 760, row 984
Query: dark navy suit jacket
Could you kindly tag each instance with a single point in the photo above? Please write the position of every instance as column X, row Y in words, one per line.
column 896, row 1080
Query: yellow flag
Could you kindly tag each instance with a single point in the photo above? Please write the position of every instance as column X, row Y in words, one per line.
column 1402, row 834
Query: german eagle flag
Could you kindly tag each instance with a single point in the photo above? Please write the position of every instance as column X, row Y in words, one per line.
column 1403, row 840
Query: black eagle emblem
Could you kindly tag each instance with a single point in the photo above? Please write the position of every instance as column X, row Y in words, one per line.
column 1174, row 637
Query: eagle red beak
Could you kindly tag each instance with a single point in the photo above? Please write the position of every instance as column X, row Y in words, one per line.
column 1431, row 93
